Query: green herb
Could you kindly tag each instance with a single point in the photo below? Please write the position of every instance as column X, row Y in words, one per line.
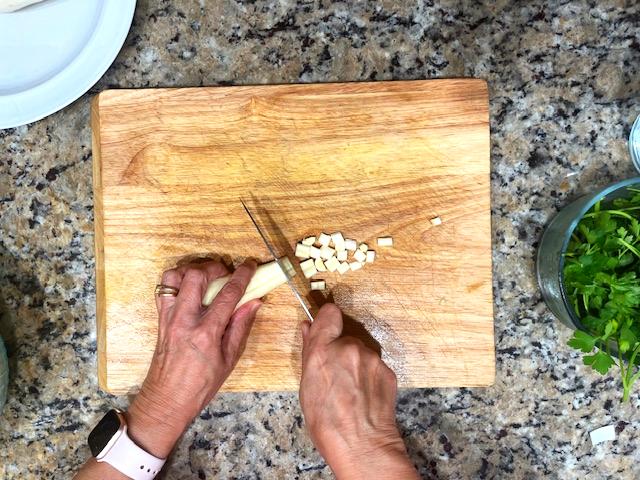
column 602, row 280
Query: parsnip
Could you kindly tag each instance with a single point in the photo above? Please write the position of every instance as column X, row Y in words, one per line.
column 302, row 251
column 343, row 268
column 326, row 252
column 309, row 241
column 308, row 268
column 268, row 277
column 385, row 241
column 338, row 241
column 318, row 285
column 314, row 252
column 324, row 239
column 342, row 255
column 436, row 221
column 371, row 256
column 360, row 256
column 350, row 244
column 355, row 266
column 332, row 264
column 320, row 266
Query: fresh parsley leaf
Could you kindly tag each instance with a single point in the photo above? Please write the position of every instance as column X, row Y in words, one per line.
column 627, row 339
column 601, row 362
column 582, row 341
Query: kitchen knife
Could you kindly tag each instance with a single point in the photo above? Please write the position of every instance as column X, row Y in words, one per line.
column 272, row 251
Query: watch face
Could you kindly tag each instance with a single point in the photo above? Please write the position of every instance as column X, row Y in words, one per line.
column 103, row 432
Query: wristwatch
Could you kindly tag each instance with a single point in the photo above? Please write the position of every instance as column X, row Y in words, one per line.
column 110, row 443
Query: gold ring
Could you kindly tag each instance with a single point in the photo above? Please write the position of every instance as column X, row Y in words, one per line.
column 165, row 291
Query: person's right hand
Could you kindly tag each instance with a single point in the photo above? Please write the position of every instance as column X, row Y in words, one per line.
column 348, row 398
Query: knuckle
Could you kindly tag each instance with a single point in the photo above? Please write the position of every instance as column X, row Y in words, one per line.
column 202, row 338
column 170, row 277
column 388, row 375
column 232, row 291
column 192, row 275
column 351, row 352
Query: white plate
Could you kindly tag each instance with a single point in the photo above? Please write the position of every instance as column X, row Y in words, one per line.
column 53, row 52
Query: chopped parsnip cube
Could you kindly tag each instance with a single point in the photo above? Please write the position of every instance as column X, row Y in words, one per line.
column 371, row 256
column 338, row 240
column 332, row 264
column 320, row 265
column 324, row 239
column 314, row 252
column 355, row 266
column 342, row 255
column 385, row 241
column 308, row 268
column 343, row 268
column 318, row 285
column 363, row 247
column 309, row 241
column 302, row 251
column 360, row 256
column 350, row 244
column 326, row 252
column 436, row 221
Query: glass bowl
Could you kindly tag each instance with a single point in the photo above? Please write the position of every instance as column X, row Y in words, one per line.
column 554, row 244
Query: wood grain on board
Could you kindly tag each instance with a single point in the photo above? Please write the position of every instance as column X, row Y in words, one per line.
column 366, row 159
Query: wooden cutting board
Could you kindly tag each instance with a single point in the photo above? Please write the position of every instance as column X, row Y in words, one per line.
column 366, row 159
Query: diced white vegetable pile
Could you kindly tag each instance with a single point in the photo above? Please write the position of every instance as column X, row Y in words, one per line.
column 334, row 253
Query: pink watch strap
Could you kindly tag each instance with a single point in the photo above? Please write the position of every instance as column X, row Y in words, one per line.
column 128, row 458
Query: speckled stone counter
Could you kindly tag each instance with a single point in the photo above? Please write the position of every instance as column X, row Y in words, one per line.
column 565, row 87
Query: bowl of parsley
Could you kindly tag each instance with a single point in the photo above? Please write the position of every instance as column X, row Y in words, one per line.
column 588, row 269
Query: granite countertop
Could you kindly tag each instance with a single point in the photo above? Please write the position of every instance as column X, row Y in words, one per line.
column 565, row 88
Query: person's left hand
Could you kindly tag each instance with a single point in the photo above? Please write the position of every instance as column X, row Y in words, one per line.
column 197, row 349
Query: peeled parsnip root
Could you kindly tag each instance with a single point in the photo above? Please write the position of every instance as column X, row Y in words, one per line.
column 342, row 255
column 268, row 277
column 308, row 268
column 320, row 266
column 360, row 256
column 350, row 244
column 332, row 264
column 343, row 268
column 355, row 266
column 326, row 252
column 318, row 285
column 314, row 252
column 324, row 239
column 363, row 247
column 303, row 251
column 309, row 241
column 385, row 241
column 371, row 256
column 436, row 221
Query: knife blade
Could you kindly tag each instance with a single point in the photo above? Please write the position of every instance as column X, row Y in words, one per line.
column 272, row 251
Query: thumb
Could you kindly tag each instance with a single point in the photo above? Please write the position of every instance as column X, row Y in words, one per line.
column 327, row 325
